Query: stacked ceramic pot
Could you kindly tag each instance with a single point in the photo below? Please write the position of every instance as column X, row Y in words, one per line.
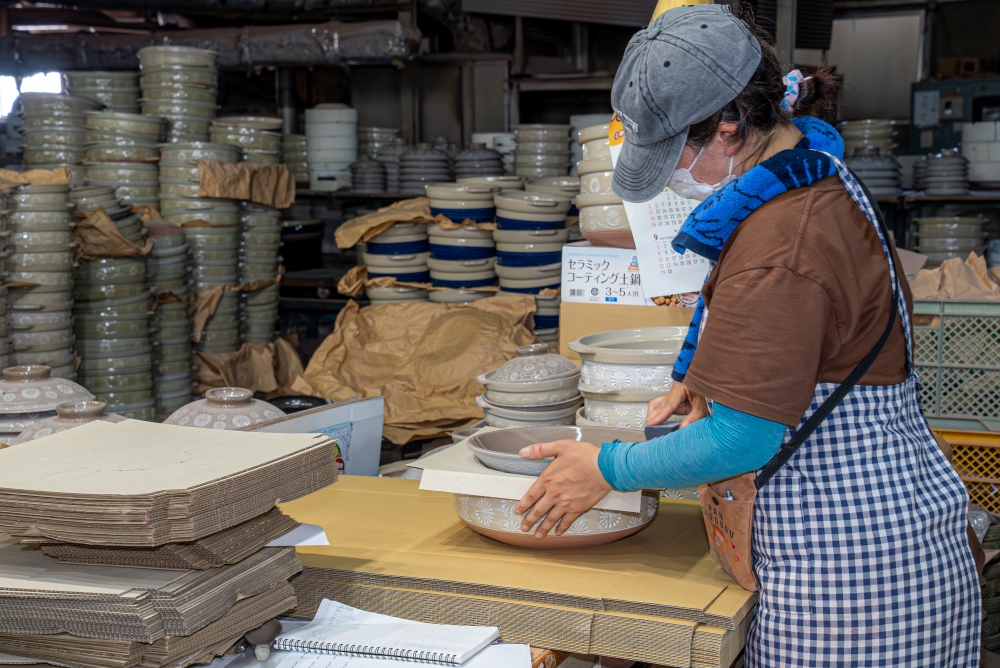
column 942, row 238
column 180, row 84
column 116, row 91
column 254, row 136
column 368, row 176
column 565, row 186
column 503, row 182
column 69, row 415
column 260, row 241
column 30, row 396
column 391, row 156
column 86, row 199
column 178, row 175
column 501, row 142
column 534, row 389
column 400, row 251
column 332, row 145
column 477, row 160
column 622, row 370
column 6, row 316
column 230, row 408
column 122, row 153
column 946, row 174
column 373, row 140
column 881, row 173
column 296, row 158
column 464, row 257
column 423, row 165
column 542, row 150
column 868, row 133
column 53, row 130
column 39, row 252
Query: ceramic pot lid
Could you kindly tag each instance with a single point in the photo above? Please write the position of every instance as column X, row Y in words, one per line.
column 535, row 362
column 231, row 408
column 28, row 389
column 68, row 415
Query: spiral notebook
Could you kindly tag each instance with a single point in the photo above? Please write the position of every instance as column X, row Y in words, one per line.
column 341, row 629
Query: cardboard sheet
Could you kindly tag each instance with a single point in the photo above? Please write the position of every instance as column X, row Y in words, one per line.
column 456, row 470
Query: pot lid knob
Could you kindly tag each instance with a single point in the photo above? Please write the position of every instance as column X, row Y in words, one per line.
column 533, row 349
column 229, row 396
column 81, row 409
column 24, row 374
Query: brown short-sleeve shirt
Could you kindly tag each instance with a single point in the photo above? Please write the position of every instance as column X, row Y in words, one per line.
column 800, row 295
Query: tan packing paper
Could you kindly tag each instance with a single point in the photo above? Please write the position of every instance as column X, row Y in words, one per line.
column 205, row 303
column 34, row 177
column 416, row 210
column 422, row 357
column 98, row 237
column 425, row 564
column 271, row 369
column 356, row 281
column 270, row 185
column 958, row 279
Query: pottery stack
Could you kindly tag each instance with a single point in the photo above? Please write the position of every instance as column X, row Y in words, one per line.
column 391, row 156
column 6, row 314
column 332, row 145
column 373, row 140
column 254, row 136
column 228, row 408
column 260, row 241
column 53, row 130
column 946, row 174
column 542, row 150
column 295, row 156
column 942, row 238
column 117, row 91
column 31, row 395
column 868, row 133
column 368, row 176
column 178, row 171
column 422, row 165
column 501, row 142
column 122, row 153
column 881, row 173
column 401, row 252
column 505, row 182
column 39, row 251
column 477, row 160
column 534, row 389
column 180, row 84
column 464, row 257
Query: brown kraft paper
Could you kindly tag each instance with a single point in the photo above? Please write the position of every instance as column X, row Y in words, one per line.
column 728, row 510
column 205, row 303
column 34, row 177
column 271, row 369
column 270, row 185
column 98, row 237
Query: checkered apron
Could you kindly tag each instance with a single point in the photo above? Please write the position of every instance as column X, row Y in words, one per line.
column 859, row 541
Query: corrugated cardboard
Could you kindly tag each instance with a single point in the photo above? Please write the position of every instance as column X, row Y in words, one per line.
column 576, row 320
column 398, row 550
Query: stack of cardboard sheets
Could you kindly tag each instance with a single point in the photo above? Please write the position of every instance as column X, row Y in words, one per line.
column 88, row 579
column 656, row 596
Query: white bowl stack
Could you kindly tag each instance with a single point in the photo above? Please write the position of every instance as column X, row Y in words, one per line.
column 295, row 156
column 373, row 140
column 122, row 153
column 254, row 136
column 946, row 174
column 981, row 147
column 368, row 176
column 421, row 166
column 477, row 160
column 332, row 145
column 180, row 84
column 542, row 150
column 881, row 173
column 391, row 156
column 41, row 322
column 117, row 91
column 260, row 241
column 53, row 130
column 868, row 133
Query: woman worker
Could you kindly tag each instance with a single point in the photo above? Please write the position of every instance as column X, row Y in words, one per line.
column 859, row 539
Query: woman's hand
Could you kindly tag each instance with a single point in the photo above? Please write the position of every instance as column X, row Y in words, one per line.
column 567, row 488
column 679, row 400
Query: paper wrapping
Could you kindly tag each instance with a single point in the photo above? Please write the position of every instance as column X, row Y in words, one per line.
column 422, row 357
column 205, row 303
column 98, row 237
column 34, row 177
column 270, row 185
column 958, row 279
column 356, row 281
column 271, row 369
column 416, row 210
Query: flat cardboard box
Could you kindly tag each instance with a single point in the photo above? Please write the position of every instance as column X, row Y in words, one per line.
column 576, row 320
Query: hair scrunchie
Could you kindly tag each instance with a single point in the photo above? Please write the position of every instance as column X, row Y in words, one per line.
column 792, row 80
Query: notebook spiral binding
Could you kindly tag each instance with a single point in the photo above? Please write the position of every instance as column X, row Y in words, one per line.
column 421, row 656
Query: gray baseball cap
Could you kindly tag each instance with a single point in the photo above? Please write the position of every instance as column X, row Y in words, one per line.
column 685, row 66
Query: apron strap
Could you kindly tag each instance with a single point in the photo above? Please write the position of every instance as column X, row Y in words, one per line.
column 788, row 449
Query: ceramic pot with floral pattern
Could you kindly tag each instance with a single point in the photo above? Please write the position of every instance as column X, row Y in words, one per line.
column 69, row 415
column 231, row 408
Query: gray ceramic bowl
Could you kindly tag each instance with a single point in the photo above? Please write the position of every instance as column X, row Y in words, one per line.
column 499, row 449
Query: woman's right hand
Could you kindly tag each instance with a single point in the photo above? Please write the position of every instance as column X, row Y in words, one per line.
column 679, row 400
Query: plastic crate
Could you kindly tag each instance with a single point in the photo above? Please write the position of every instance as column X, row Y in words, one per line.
column 976, row 458
column 956, row 349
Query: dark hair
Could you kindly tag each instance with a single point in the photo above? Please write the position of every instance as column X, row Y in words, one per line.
column 757, row 109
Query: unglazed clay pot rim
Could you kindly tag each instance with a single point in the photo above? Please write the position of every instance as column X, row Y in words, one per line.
column 26, row 373
column 81, row 410
column 228, row 397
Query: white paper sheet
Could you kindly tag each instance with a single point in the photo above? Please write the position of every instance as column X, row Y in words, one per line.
column 304, row 534
column 500, row 655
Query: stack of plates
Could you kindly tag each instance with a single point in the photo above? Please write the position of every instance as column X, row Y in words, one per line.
column 390, row 156
column 53, row 129
column 117, row 91
column 478, row 161
column 542, row 150
column 253, row 135
column 881, row 173
column 422, row 165
column 122, row 152
column 296, row 158
column 942, row 238
column 260, row 241
column 535, row 388
column 166, row 269
column 946, row 174
column 368, row 176
column 178, row 174
column 180, row 84
column 501, row 142
column 868, row 133
column 373, row 140
column 401, row 252
column 332, row 145
column 39, row 251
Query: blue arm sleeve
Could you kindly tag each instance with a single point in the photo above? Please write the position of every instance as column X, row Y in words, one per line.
column 725, row 444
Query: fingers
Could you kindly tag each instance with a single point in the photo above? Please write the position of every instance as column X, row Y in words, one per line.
column 699, row 409
column 662, row 407
column 543, row 450
column 537, row 512
column 550, row 521
column 534, row 493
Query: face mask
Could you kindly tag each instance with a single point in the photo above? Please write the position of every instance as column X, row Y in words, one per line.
column 683, row 183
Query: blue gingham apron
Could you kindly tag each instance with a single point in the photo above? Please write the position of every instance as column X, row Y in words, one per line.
column 859, row 541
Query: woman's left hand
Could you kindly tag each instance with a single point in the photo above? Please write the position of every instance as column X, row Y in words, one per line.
column 567, row 488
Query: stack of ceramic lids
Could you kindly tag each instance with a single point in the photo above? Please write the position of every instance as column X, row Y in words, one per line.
column 477, row 160
column 542, row 150
column 122, row 153
column 881, row 173
column 180, row 84
column 260, row 239
column 332, row 145
column 30, row 395
column 368, row 176
column 942, row 238
column 535, row 388
column 53, row 129
column 946, row 174
column 423, row 165
column 501, row 142
column 117, row 91
column 253, row 135
column 295, row 157
column 373, row 140
column 400, row 251
column 867, row 133
column 40, row 253
column 390, row 156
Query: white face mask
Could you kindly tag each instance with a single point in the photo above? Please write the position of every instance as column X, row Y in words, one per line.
column 683, row 183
